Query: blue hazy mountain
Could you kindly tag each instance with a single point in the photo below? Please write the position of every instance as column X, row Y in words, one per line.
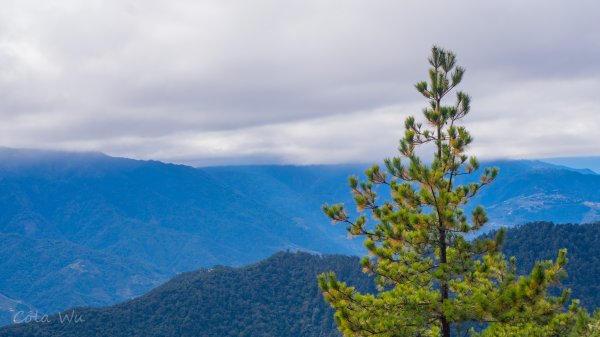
column 50, row 273
column 279, row 296
column 525, row 190
column 174, row 216
column 88, row 229
column 591, row 163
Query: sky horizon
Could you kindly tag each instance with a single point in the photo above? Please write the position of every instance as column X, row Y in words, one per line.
column 576, row 162
column 305, row 82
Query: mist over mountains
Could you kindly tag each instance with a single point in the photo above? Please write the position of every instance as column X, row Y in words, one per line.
column 86, row 229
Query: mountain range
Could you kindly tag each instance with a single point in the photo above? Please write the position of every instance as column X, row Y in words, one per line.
column 279, row 296
column 86, row 229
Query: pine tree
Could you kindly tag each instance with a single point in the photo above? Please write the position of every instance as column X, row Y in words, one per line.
column 431, row 280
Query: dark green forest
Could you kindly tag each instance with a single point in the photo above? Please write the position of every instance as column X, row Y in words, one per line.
column 279, row 296
column 276, row 297
column 542, row 240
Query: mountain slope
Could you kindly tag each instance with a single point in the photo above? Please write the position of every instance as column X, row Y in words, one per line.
column 9, row 308
column 279, row 296
column 276, row 297
column 135, row 223
column 525, row 190
column 176, row 216
column 70, row 275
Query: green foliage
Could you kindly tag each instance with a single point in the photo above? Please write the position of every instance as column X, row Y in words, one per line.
column 576, row 322
column 432, row 280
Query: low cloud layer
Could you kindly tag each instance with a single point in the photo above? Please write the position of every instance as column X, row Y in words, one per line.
column 306, row 81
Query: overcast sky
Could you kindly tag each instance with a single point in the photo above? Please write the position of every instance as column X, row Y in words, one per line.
column 306, row 81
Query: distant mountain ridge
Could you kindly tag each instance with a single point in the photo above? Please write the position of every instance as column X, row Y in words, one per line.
column 108, row 229
column 590, row 162
column 279, row 296
column 143, row 221
column 525, row 190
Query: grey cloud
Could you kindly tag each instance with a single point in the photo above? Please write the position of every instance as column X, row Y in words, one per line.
column 205, row 81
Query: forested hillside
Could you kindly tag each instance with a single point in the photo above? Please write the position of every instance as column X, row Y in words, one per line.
column 542, row 240
column 279, row 296
column 276, row 297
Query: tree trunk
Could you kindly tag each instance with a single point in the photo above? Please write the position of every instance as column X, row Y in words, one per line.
column 443, row 285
